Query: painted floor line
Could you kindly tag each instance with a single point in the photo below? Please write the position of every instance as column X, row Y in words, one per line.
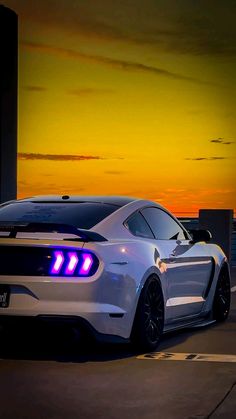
column 170, row 356
column 233, row 289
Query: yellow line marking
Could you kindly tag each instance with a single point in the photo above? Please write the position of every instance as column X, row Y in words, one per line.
column 169, row 356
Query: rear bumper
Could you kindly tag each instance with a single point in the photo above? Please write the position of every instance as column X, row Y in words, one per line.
column 103, row 318
column 103, row 303
column 82, row 325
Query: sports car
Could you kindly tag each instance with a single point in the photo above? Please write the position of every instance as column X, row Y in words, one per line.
column 123, row 268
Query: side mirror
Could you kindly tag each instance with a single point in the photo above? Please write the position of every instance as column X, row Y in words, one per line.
column 200, row 235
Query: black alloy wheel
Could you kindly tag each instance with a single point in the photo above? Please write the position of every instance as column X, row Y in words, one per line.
column 149, row 318
column 221, row 304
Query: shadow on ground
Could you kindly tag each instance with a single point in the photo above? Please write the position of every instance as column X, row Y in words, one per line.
column 64, row 345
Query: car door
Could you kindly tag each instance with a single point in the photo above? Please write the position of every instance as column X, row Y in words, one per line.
column 188, row 268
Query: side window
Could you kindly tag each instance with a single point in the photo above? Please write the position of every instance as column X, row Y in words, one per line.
column 138, row 226
column 163, row 225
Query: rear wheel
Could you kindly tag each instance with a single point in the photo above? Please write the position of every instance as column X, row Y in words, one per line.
column 149, row 318
column 221, row 304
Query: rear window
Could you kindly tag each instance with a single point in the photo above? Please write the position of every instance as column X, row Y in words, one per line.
column 82, row 215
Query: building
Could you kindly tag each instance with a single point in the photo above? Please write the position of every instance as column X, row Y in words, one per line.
column 8, row 103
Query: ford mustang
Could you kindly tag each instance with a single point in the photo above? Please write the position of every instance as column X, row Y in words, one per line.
column 123, row 268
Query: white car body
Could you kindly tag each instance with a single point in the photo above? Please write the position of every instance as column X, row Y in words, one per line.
column 107, row 300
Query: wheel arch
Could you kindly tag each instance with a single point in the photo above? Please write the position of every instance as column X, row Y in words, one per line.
column 149, row 274
column 219, row 265
column 152, row 272
column 220, row 311
column 225, row 267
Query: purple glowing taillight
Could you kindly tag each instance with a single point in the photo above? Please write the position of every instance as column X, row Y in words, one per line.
column 76, row 263
column 73, row 262
column 57, row 263
column 87, row 263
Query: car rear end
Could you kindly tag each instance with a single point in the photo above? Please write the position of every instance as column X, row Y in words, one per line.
column 47, row 273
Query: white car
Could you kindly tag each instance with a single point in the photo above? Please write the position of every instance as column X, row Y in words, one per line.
column 124, row 268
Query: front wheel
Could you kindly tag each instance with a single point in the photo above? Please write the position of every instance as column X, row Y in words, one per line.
column 149, row 318
column 221, row 303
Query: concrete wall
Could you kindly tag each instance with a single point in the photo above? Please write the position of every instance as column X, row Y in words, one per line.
column 8, row 103
column 220, row 224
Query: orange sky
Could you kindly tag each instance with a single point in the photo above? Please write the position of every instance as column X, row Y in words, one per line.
column 128, row 97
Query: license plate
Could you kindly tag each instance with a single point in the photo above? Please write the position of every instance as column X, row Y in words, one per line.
column 4, row 296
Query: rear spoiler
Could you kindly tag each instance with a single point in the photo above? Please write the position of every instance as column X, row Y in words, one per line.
column 82, row 235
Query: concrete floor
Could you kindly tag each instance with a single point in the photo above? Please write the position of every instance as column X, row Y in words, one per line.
column 52, row 380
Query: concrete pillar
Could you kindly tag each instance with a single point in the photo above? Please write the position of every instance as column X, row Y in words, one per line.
column 220, row 224
column 8, row 103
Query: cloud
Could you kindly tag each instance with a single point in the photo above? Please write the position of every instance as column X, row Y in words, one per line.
column 185, row 27
column 35, row 88
column 196, row 36
column 108, row 62
column 89, row 91
column 114, row 172
column 221, row 141
column 218, row 141
column 56, row 157
column 205, row 158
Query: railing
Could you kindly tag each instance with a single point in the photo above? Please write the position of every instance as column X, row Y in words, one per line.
column 190, row 223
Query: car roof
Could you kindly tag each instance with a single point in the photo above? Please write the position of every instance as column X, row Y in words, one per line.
column 119, row 201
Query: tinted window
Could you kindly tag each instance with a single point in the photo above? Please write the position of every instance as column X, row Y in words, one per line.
column 163, row 226
column 84, row 215
column 138, row 226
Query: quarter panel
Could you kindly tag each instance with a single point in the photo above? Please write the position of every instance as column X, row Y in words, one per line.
column 127, row 265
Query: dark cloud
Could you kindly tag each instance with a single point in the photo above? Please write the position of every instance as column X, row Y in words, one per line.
column 218, row 141
column 199, row 35
column 56, row 157
column 78, row 19
column 109, row 62
column 89, row 91
column 35, row 88
column 205, row 158
column 221, row 141
column 185, row 27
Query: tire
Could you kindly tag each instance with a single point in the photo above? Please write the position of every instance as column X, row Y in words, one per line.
column 149, row 317
column 221, row 303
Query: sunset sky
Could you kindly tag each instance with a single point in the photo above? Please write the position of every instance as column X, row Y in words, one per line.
column 130, row 97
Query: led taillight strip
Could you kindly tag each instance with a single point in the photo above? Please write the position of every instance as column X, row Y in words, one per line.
column 86, row 265
column 57, row 263
column 71, row 263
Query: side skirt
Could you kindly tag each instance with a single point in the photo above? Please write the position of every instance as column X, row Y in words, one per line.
column 194, row 323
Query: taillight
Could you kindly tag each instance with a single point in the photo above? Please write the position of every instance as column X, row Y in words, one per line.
column 57, row 263
column 76, row 263
column 72, row 263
